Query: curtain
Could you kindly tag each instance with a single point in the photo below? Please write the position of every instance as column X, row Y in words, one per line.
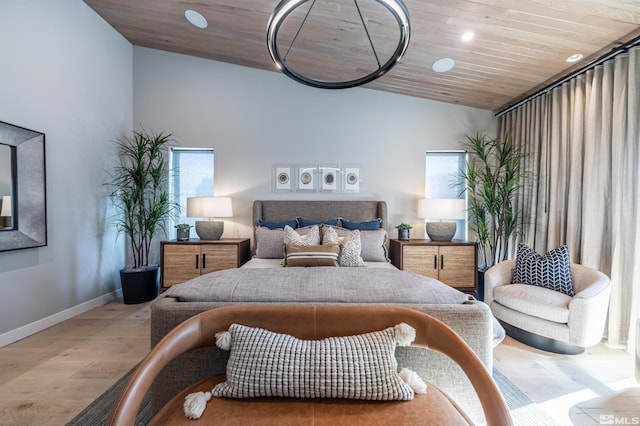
column 582, row 146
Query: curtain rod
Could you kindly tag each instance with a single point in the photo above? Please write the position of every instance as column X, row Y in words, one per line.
column 614, row 52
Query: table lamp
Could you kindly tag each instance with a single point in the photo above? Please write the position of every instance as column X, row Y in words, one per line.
column 209, row 207
column 441, row 208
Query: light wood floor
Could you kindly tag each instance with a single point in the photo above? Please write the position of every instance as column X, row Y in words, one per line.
column 48, row 378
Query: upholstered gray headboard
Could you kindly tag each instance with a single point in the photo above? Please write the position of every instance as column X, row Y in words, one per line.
column 355, row 211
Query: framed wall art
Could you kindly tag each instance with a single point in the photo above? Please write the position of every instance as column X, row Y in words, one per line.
column 329, row 176
column 282, row 178
column 306, row 177
column 351, row 178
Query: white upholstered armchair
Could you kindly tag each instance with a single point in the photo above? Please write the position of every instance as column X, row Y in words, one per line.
column 548, row 319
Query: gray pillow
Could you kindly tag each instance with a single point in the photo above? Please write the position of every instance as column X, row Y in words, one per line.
column 373, row 244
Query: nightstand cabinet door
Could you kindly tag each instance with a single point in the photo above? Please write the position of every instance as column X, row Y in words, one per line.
column 180, row 263
column 457, row 265
column 183, row 260
column 218, row 257
column 421, row 260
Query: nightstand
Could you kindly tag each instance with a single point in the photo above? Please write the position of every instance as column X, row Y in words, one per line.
column 183, row 260
column 455, row 263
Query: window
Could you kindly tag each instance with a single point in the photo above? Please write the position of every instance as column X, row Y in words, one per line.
column 442, row 180
column 192, row 177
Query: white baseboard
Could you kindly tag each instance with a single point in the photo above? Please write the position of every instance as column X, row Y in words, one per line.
column 44, row 323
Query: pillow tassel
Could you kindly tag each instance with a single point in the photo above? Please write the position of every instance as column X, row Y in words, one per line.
column 413, row 380
column 405, row 334
column 223, row 340
column 195, row 403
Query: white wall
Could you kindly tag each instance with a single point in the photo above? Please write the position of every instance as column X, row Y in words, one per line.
column 66, row 73
column 256, row 118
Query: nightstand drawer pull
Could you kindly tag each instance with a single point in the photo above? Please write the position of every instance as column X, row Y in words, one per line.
column 441, row 261
column 435, row 261
column 197, row 261
column 204, row 260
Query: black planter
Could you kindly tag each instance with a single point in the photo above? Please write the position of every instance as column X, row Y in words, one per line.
column 480, row 288
column 182, row 235
column 403, row 234
column 140, row 286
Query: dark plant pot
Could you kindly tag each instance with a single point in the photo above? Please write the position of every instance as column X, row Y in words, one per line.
column 403, row 234
column 480, row 289
column 182, row 235
column 140, row 286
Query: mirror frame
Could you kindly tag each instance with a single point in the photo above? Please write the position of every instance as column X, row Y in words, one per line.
column 29, row 189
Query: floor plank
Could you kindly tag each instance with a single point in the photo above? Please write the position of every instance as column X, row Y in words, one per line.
column 48, row 378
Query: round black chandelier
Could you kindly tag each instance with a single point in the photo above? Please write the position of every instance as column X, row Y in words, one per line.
column 397, row 9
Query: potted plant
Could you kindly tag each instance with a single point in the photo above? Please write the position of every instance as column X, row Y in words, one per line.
column 182, row 233
column 403, row 231
column 139, row 191
column 492, row 179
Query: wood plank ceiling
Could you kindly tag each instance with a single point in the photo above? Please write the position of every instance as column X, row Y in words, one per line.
column 520, row 46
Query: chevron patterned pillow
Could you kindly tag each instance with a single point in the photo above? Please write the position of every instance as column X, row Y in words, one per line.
column 552, row 271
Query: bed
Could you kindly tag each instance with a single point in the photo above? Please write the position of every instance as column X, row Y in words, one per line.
column 264, row 280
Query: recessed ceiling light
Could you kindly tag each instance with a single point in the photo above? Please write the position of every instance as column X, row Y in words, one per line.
column 574, row 58
column 195, row 18
column 468, row 36
column 443, row 65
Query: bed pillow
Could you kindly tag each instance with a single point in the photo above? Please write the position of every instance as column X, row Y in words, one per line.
column 552, row 271
column 373, row 244
column 308, row 236
column 302, row 222
column 370, row 225
column 324, row 255
column 267, row 364
column 269, row 243
column 350, row 249
column 278, row 225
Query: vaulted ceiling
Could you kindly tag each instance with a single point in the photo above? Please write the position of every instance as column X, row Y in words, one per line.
column 519, row 46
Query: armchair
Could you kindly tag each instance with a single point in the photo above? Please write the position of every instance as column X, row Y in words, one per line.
column 547, row 319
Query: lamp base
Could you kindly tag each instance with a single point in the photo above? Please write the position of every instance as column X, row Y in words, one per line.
column 441, row 231
column 209, row 229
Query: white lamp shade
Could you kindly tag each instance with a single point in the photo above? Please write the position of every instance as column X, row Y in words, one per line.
column 6, row 206
column 209, row 207
column 441, row 208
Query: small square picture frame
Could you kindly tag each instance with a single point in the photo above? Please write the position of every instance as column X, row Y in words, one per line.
column 329, row 176
column 351, row 178
column 282, row 178
column 306, row 177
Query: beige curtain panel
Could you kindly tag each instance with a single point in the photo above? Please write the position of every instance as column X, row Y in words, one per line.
column 582, row 141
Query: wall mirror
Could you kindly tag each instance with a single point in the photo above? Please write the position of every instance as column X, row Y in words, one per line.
column 23, row 214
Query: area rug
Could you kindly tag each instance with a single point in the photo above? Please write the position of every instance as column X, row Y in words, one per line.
column 523, row 410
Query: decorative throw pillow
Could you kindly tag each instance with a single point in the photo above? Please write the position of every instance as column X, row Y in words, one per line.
column 302, row 237
column 263, row 363
column 324, row 255
column 269, row 243
column 278, row 225
column 329, row 235
column 372, row 244
column 350, row 248
column 302, row 222
column 552, row 271
column 370, row 225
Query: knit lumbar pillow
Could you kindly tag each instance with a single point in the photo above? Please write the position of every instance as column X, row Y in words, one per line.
column 263, row 363
column 552, row 271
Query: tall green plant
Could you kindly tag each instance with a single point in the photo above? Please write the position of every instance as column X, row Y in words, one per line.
column 493, row 177
column 139, row 190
